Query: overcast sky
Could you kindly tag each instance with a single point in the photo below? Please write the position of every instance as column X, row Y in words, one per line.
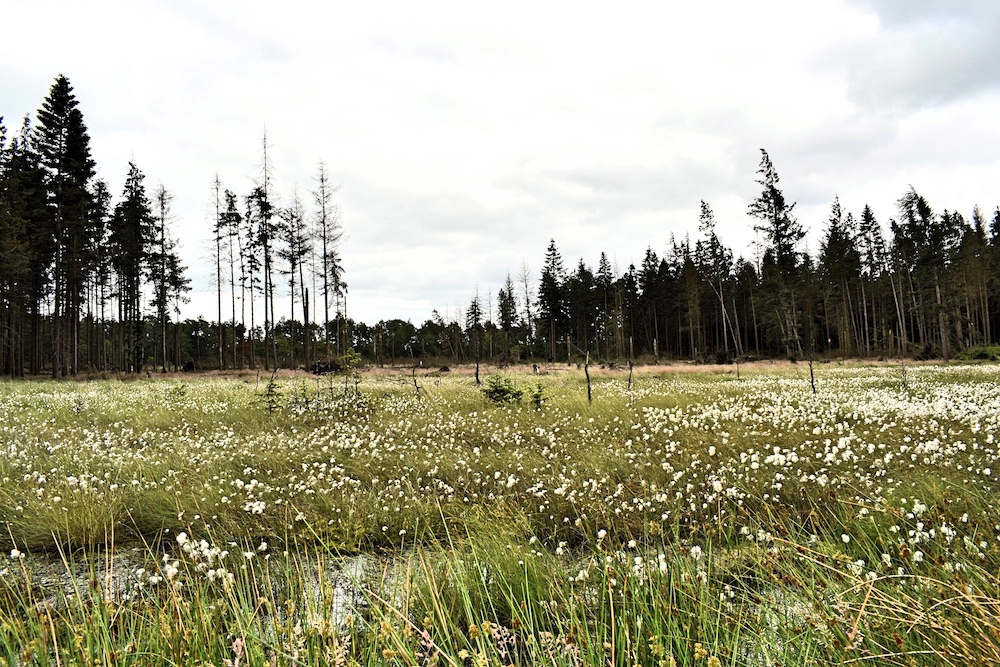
column 465, row 135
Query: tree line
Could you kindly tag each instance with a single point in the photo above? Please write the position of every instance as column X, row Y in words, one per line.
column 88, row 283
column 927, row 285
column 74, row 268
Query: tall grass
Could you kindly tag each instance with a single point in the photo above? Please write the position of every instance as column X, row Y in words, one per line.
column 689, row 520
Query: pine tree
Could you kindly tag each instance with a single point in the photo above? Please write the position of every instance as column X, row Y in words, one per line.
column 178, row 285
column 651, row 282
column 583, row 310
column 507, row 306
column 250, row 282
column 14, row 265
column 874, row 266
column 266, row 232
column 972, row 265
column 266, row 237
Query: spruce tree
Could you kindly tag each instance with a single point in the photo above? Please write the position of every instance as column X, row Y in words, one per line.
column 32, row 241
column 64, row 147
column 782, row 230
column 840, row 267
column 130, row 238
column 231, row 223
column 924, row 246
column 782, row 261
column 552, row 299
column 607, row 323
column 219, row 232
column 17, row 190
column 294, row 252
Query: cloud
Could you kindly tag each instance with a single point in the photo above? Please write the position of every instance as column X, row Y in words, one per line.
column 926, row 53
column 903, row 12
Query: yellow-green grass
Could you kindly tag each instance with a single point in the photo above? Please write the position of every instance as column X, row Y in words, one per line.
column 687, row 517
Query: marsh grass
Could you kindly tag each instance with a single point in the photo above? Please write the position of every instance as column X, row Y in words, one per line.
column 688, row 519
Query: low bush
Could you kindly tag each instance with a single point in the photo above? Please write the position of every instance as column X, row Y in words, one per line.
column 500, row 389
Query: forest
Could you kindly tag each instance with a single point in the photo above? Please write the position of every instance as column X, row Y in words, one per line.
column 91, row 283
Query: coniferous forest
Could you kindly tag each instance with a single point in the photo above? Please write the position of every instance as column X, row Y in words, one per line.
column 91, row 280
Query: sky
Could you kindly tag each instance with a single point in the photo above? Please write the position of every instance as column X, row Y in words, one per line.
column 463, row 136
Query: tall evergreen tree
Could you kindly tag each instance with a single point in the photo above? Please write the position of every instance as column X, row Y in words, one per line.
column 267, row 234
column 607, row 323
column 715, row 265
column 101, row 277
column 219, row 232
column 14, row 265
column 294, row 252
column 782, row 231
column 552, row 298
column 874, row 271
column 26, row 250
column 651, row 306
column 840, row 265
column 507, row 306
column 507, row 316
column 924, row 245
column 132, row 228
column 250, row 271
column 162, row 263
column 178, row 285
column 474, row 329
column 231, row 223
column 780, row 270
column 972, row 264
column 583, row 310
column 64, row 147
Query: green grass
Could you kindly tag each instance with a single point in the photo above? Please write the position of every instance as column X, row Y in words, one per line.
column 698, row 519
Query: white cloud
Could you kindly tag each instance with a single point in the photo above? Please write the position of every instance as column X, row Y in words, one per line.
column 927, row 53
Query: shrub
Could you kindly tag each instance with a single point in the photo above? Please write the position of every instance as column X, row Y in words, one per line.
column 500, row 389
column 979, row 353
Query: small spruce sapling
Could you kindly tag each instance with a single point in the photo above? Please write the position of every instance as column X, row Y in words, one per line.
column 271, row 398
column 500, row 389
column 537, row 399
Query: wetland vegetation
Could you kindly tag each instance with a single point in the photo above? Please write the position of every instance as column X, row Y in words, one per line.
column 683, row 518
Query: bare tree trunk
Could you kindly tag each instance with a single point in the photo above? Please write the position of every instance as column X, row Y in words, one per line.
column 305, row 328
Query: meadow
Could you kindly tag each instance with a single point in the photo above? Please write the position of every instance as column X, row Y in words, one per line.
column 678, row 519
